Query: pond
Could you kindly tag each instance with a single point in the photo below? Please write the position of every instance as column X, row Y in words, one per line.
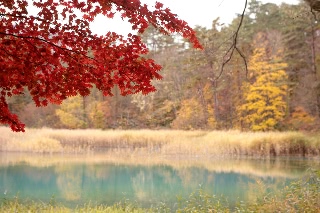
column 101, row 179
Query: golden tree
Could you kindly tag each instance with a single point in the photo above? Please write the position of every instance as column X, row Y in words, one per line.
column 100, row 114
column 264, row 105
column 190, row 115
column 72, row 113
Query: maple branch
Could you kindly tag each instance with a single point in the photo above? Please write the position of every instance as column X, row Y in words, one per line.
column 41, row 20
column 66, row 50
column 32, row 48
column 9, row 54
column 48, row 42
column 40, row 39
column 26, row 17
column 234, row 46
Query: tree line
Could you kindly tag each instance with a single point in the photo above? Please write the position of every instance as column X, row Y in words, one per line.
column 275, row 88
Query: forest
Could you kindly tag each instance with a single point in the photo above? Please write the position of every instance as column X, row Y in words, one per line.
column 270, row 82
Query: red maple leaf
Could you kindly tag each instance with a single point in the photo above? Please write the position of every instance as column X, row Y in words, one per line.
column 47, row 53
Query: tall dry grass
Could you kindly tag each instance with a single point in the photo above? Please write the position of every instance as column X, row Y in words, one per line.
column 161, row 142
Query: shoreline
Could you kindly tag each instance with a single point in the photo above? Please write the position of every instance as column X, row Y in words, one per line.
column 162, row 142
column 268, row 167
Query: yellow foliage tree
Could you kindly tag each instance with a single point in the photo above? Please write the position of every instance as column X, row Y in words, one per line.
column 99, row 114
column 264, row 105
column 190, row 115
column 301, row 120
column 71, row 113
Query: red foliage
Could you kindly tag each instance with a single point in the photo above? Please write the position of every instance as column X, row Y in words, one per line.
column 48, row 53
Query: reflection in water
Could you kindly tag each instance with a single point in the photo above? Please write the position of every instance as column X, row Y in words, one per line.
column 69, row 181
column 76, row 183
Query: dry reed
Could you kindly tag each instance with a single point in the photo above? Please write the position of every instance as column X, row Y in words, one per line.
column 161, row 142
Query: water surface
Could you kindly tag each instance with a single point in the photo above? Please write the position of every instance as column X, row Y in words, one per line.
column 74, row 180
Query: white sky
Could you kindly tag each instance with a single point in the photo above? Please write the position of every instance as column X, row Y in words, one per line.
column 200, row 12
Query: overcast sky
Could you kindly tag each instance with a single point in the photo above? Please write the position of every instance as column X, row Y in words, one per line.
column 199, row 12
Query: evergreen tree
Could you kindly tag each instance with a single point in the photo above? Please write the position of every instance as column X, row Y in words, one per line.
column 299, row 40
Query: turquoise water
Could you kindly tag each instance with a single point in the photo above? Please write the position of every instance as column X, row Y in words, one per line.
column 75, row 183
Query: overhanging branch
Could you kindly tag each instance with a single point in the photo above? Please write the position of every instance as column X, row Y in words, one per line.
column 234, row 47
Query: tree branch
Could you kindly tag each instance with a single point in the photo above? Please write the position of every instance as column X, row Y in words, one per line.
column 234, row 46
column 48, row 42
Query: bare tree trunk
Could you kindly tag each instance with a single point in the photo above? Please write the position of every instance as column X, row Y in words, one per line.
column 204, row 104
column 216, row 100
column 84, row 115
column 314, row 68
column 239, row 94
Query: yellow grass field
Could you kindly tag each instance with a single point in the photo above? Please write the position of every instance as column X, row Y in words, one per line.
column 161, row 142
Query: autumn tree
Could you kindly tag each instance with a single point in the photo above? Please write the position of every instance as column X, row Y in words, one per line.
column 265, row 105
column 155, row 40
column 301, row 51
column 190, row 115
column 36, row 117
column 99, row 114
column 234, row 72
column 47, row 53
column 72, row 113
column 202, row 82
column 158, row 108
column 300, row 120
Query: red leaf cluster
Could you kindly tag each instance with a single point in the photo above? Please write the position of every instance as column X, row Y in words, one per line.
column 54, row 54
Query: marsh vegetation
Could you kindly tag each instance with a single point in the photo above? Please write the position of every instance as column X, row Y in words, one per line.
column 162, row 142
column 264, row 162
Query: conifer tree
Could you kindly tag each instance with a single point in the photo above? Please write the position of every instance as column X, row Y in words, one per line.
column 264, row 106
